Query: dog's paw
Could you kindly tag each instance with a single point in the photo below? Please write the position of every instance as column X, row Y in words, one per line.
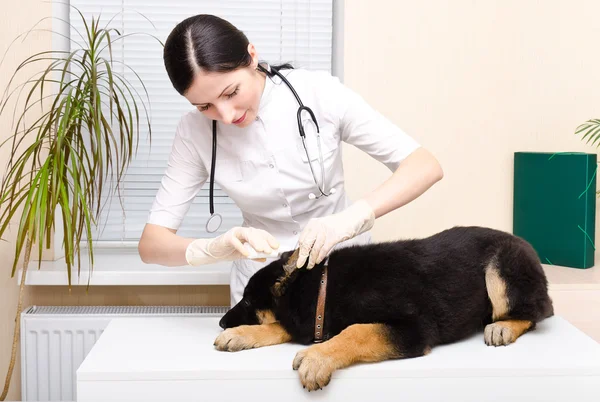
column 315, row 368
column 498, row 335
column 234, row 340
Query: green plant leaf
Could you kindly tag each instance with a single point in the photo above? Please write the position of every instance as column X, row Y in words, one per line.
column 74, row 154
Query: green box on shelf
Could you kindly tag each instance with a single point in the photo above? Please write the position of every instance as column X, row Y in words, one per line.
column 554, row 205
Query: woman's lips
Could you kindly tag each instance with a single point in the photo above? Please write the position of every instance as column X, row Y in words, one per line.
column 241, row 119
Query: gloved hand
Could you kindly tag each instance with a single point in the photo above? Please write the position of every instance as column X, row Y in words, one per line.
column 321, row 234
column 229, row 246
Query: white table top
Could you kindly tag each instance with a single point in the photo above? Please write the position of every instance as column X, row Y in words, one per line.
column 168, row 348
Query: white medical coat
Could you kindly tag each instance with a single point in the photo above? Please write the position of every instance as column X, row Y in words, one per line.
column 263, row 167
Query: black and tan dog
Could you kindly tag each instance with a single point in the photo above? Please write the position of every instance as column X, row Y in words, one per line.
column 393, row 300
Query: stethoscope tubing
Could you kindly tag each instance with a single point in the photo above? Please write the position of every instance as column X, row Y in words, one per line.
column 301, row 109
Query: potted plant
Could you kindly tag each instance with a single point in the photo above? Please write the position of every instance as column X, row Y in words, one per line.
column 73, row 154
column 590, row 130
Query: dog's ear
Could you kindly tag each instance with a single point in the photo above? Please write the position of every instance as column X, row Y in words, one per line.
column 289, row 260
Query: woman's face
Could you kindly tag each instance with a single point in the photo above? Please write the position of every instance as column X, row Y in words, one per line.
column 232, row 97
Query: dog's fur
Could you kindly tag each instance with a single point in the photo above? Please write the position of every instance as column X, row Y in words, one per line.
column 393, row 300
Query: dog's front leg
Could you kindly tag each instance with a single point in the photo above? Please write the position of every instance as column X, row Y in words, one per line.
column 357, row 343
column 251, row 336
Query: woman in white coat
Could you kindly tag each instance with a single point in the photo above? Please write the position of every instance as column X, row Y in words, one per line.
column 276, row 180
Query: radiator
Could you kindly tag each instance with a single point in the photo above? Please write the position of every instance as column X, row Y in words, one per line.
column 56, row 339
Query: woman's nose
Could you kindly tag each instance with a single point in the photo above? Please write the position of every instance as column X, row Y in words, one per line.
column 226, row 113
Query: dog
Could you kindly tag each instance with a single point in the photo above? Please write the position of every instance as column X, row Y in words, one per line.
column 391, row 300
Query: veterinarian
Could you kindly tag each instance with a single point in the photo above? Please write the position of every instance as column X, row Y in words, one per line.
column 290, row 188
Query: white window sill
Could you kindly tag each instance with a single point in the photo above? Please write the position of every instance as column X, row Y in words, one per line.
column 124, row 268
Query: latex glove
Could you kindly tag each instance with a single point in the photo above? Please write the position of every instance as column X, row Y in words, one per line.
column 321, row 234
column 229, row 246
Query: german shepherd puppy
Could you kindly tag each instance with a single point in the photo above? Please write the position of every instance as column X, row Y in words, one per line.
column 393, row 300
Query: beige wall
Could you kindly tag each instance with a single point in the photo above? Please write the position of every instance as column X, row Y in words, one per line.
column 18, row 17
column 472, row 81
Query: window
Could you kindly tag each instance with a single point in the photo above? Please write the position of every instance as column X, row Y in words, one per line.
column 296, row 31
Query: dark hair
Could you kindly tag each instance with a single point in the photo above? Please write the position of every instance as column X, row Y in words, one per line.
column 205, row 42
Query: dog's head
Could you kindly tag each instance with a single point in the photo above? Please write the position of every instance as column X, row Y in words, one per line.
column 263, row 290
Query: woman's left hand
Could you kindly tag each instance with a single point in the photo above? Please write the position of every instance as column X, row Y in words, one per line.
column 321, row 234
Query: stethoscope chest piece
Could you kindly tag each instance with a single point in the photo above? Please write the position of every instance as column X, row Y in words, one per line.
column 214, row 223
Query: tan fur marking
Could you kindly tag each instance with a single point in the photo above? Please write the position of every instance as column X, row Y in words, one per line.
column 251, row 336
column 519, row 327
column 357, row 343
column 496, row 288
column 265, row 316
column 505, row 332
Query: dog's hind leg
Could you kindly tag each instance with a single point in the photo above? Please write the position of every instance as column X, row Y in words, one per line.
column 517, row 289
column 357, row 343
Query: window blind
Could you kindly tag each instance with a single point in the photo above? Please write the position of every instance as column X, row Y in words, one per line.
column 296, row 31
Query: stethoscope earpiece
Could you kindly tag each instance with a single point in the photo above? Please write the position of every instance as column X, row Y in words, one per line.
column 312, row 196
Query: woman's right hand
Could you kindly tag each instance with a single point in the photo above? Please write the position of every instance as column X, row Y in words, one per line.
column 230, row 246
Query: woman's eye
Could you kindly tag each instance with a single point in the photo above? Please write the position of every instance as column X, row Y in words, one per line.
column 234, row 93
column 203, row 108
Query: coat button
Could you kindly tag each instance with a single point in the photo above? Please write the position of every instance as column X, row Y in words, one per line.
column 271, row 166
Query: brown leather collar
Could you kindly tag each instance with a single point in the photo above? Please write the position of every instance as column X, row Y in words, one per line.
column 320, row 315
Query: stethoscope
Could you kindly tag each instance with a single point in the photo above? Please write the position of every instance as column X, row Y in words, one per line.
column 214, row 221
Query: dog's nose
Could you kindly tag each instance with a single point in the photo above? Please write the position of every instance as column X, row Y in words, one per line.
column 222, row 323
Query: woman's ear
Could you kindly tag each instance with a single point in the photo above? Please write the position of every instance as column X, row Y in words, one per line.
column 254, row 54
